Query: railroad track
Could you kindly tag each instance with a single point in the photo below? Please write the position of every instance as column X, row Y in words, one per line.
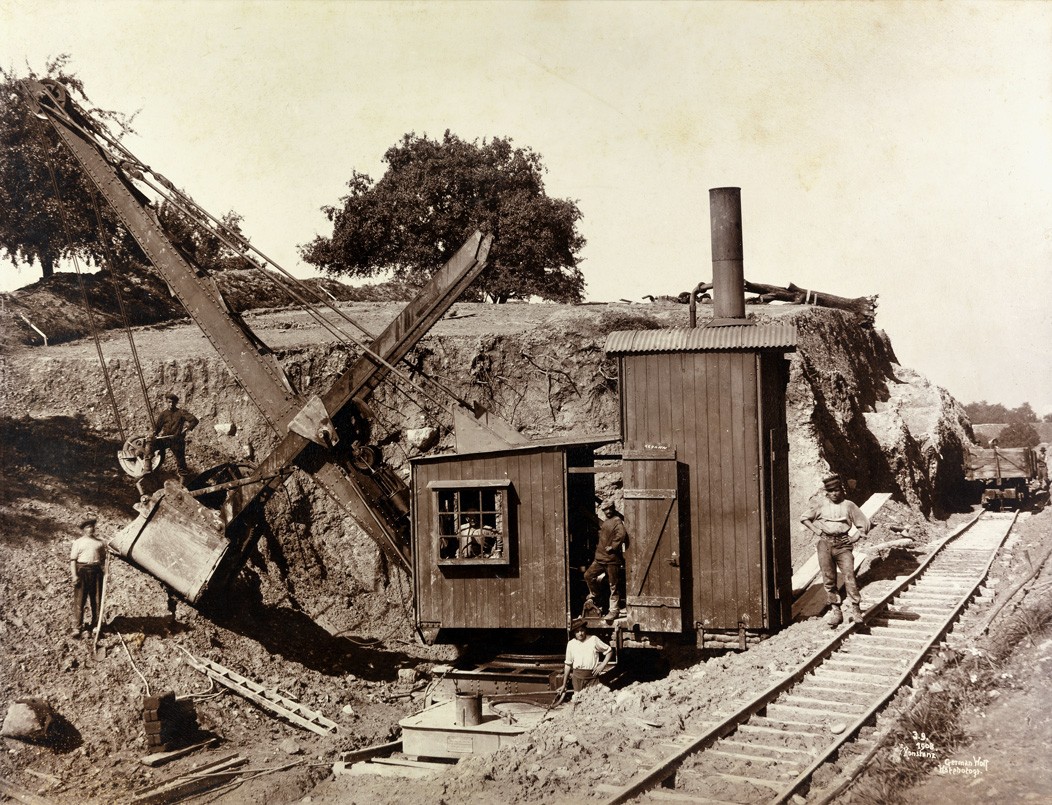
column 767, row 751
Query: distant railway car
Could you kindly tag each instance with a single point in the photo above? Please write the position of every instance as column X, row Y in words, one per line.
column 1006, row 474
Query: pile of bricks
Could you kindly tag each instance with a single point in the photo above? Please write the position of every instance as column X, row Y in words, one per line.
column 169, row 722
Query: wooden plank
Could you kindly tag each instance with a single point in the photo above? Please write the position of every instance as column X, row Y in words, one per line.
column 725, row 610
column 19, row 794
column 198, row 779
column 382, row 770
column 752, row 486
column 412, row 764
column 809, row 571
column 160, row 758
column 365, row 753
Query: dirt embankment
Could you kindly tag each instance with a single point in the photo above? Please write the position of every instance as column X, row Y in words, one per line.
column 321, row 613
column 54, row 307
column 851, row 408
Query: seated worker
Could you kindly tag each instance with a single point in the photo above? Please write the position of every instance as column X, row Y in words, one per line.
column 583, row 653
column 479, row 541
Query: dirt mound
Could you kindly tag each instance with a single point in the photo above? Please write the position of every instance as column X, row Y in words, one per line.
column 53, row 307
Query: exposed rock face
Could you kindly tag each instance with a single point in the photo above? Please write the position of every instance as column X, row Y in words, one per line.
column 851, row 408
column 879, row 424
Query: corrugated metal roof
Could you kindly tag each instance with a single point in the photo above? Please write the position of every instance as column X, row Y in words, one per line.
column 703, row 339
column 564, row 441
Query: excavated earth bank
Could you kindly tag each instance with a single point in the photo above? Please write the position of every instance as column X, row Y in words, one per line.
column 319, row 615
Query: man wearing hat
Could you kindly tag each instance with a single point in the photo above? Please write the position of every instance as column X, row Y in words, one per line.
column 172, row 426
column 87, row 559
column 832, row 520
column 609, row 559
column 586, row 657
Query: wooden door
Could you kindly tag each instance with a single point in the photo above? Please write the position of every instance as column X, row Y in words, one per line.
column 654, row 556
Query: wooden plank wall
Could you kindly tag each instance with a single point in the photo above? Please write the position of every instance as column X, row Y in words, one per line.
column 531, row 591
column 705, row 405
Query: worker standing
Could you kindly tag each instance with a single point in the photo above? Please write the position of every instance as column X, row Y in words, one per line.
column 832, row 520
column 87, row 560
column 609, row 559
column 170, row 431
column 586, row 658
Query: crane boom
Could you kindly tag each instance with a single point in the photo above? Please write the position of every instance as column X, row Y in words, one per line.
column 191, row 549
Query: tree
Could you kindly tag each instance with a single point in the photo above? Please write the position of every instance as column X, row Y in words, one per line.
column 1047, row 417
column 433, row 195
column 38, row 226
column 1018, row 434
column 203, row 246
column 35, row 224
column 1024, row 413
column 984, row 413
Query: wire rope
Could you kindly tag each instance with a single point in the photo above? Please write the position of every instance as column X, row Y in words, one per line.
column 124, row 311
column 136, row 169
column 87, row 302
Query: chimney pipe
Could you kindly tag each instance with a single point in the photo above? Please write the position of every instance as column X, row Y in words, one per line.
column 728, row 267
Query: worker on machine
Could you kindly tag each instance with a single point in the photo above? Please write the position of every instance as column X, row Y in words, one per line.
column 609, row 559
column 831, row 520
column 87, row 560
column 170, row 433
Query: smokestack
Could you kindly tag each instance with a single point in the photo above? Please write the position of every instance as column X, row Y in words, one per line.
column 728, row 266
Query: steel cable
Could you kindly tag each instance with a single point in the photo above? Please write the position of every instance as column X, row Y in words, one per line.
column 87, row 303
column 124, row 311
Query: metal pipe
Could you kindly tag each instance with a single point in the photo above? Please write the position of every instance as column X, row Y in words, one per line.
column 728, row 266
column 694, row 304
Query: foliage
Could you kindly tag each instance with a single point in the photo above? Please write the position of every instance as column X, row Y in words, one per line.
column 202, row 246
column 1018, row 434
column 39, row 226
column 982, row 412
column 433, row 196
column 33, row 227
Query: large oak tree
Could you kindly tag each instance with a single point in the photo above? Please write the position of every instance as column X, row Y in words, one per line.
column 36, row 225
column 40, row 226
column 434, row 194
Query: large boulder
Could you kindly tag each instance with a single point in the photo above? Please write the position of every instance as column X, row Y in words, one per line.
column 28, row 719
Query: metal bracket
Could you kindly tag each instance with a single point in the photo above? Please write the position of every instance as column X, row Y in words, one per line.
column 313, row 423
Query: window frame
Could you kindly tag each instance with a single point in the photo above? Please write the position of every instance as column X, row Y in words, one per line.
column 435, row 488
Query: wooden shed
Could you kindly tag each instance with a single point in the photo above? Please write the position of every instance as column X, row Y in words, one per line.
column 706, row 476
column 499, row 537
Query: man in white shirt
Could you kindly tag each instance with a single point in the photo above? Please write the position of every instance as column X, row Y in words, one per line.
column 86, row 561
column 586, row 657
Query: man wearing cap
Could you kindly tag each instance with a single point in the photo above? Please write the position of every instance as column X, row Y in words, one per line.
column 832, row 521
column 86, row 561
column 172, row 426
column 586, row 657
column 609, row 559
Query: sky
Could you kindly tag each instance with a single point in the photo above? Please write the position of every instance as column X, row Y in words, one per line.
column 899, row 149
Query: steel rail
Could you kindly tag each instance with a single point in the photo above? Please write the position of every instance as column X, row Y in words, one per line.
column 668, row 766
